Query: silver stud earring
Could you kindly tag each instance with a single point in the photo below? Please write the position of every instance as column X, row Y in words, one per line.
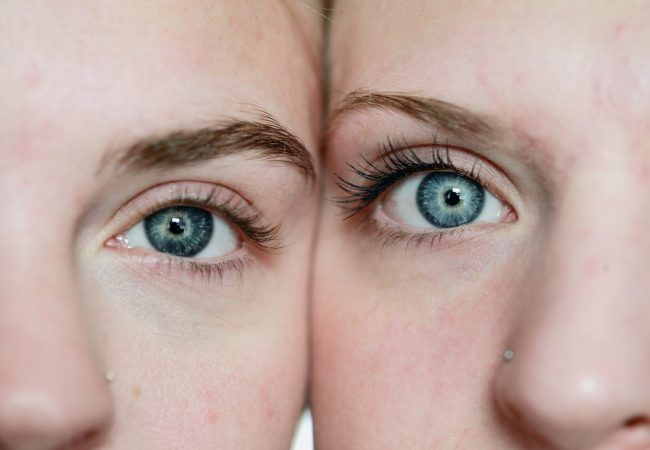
column 109, row 376
column 508, row 355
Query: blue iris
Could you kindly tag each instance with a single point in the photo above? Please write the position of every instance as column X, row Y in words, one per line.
column 179, row 230
column 449, row 200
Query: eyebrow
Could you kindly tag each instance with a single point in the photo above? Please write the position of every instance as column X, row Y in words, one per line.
column 265, row 138
column 452, row 118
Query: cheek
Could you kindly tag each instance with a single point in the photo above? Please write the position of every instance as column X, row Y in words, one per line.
column 415, row 356
column 179, row 383
column 434, row 343
column 204, row 404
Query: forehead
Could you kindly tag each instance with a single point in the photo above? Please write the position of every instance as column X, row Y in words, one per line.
column 499, row 55
column 155, row 64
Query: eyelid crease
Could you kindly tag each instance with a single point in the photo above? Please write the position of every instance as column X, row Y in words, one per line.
column 507, row 143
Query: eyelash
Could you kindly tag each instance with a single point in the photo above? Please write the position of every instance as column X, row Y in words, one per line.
column 396, row 164
column 250, row 226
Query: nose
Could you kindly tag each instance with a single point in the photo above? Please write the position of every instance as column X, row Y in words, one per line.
column 579, row 377
column 52, row 394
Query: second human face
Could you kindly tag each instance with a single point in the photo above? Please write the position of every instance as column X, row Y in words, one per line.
column 156, row 171
column 499, row 198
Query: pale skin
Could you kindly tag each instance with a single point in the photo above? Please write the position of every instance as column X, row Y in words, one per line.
column 408, row 342
column 196, row 359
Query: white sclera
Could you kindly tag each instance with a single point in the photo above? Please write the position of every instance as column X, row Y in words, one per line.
column 224, row 239
column 401, row 205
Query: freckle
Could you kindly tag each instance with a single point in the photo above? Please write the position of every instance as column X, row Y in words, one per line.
column 136, row 391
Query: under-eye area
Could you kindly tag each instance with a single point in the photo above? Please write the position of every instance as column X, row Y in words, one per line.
column 423, row 194
column 192, row 228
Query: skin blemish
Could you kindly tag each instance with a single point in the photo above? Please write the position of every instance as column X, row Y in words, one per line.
column 594, row 267
column 621, row 29
column 210, row 412
column 644, row 172
column 136, row 391
column 33, row 78
column 267, row 403
column 211, row 417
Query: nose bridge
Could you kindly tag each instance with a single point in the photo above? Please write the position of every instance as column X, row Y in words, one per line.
column 581, row 342
column 51, row 391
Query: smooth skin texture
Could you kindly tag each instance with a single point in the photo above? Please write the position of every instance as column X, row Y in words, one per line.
column 198, row 360
column 408, row 341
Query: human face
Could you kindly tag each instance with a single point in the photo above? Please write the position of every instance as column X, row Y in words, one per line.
column 548, row 103
column 110, row 113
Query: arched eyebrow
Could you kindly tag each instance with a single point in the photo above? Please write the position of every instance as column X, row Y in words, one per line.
column 450, row 117
column 264, row 138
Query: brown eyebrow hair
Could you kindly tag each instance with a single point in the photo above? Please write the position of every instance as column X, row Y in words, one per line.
column 429, row 110
column 265, row 137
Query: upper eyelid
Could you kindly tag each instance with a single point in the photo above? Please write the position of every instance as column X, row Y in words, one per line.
column 153, row 198
column 210, row 196
column 489, row 175
column 447, row 118
column 520, row 154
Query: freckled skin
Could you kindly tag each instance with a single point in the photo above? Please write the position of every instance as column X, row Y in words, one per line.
column 408, row 344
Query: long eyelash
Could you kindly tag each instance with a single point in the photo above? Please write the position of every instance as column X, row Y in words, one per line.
column 408, row 239
column 264, row 236
column 397, row 162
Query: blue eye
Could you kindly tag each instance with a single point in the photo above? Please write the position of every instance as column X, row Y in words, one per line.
column 441, row 200
column 179, row 230
column 449, row 200
column 184, row 231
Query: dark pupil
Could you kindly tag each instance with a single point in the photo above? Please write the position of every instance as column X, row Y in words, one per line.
column 452, row 197
column 449, row 199
column 176, row 225
column 179, row 230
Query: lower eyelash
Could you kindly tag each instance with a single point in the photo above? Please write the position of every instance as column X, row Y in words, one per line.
column 176, row 268
column 409, row 239
column 210, row 272
column 396, row 165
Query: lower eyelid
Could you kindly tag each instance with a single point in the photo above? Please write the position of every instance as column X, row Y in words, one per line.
column 432, row 239
column 174, row 270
